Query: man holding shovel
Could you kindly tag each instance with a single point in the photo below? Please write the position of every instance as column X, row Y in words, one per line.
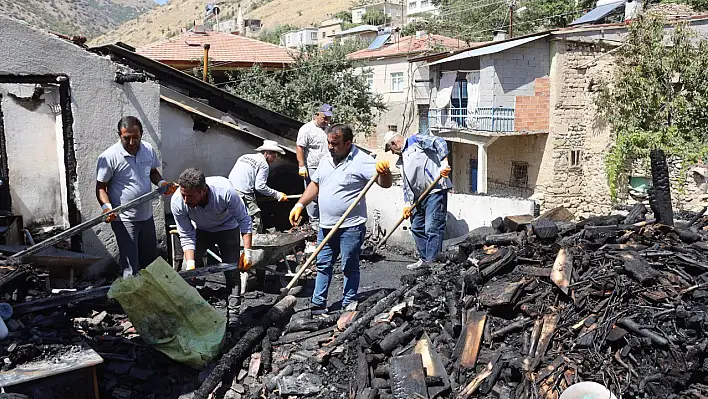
column 422, row 159
column 208, row 212
column 340, row 177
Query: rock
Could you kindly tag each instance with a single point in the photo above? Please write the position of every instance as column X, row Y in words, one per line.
column 305, row 384
column 12, row 325
column 120, row 393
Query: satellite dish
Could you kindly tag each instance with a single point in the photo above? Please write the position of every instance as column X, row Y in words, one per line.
column 211, row 10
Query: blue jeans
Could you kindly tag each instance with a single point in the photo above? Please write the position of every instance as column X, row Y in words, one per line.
column 428, row 225
column 346, row 242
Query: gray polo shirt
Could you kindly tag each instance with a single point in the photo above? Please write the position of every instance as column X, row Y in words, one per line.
column 314, row 140
column 128, row 178
column 340, row 184
column 251, row 173
column 224, row 211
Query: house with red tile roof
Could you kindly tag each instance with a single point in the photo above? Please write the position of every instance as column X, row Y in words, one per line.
column 402, row 84
column 226, row 51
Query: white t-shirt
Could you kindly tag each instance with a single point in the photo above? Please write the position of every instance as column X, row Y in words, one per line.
column 314, row 140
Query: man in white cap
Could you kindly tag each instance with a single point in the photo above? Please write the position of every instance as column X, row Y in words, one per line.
column 422, row 159
column 250, row 175
column 311, row 147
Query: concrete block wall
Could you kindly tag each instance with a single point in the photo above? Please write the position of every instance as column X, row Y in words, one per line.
column 532, row 112
column 512, row 73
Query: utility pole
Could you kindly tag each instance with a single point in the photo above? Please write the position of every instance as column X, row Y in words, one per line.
column 512, row 5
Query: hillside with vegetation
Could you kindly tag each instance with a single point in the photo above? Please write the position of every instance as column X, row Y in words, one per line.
column 89, row 18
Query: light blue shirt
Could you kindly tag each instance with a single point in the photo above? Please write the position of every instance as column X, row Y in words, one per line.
column 224, row 211
column 420, row 163
column 128, row 177
column 340, row 184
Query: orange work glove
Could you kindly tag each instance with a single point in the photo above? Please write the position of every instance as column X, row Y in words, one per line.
column 245, row 261
column 302, row 171
column 166, row 187
column 282, row 197
column 382, row 167
column 107, row 208
column 445, row 168
column 407, row 211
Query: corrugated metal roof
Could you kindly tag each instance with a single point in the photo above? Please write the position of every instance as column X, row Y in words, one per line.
column 491, row 49
column 359, row 29
column 597, row 13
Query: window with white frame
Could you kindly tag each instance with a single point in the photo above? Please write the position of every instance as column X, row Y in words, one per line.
column 397, row 81
column 424, row 3
column 370, row 81
column 313, row 35
column 412, row 4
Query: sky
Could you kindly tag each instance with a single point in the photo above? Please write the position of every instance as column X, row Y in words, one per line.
column 161, row 2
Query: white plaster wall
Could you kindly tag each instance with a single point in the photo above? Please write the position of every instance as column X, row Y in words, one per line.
column 465, row 212
column 97, row 105
column 214, row 152
column 35, row 168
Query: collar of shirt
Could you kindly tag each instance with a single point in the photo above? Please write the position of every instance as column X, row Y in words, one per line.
column 410, row 141
column 352, row 152
column 125, row 152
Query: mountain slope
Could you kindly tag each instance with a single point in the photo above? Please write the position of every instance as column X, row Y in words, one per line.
column 75, row 17
column 165, row 21
column 168, row 20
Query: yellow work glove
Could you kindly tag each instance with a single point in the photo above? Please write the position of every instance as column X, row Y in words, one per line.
column 190, row 264
column 282, row 197
column 445, row 168
column 382, row 166
column 295, row 214
column 107, row 208
column 302, row 171
column 407, row 211
column 246, row 260
column 166, row 187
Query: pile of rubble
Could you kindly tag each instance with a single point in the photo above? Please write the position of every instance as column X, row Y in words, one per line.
column 521, row 310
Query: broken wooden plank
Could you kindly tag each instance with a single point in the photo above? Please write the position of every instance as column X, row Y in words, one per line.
column 362, row 371
column 544, row 229
column 500, row 292
column 471, row 338
column 504, row 239
column 558, row 214
column 637, row 214
column 562, row 270
column 346, row 319
column 254, row 366
column 408, row 377
column 632, row 326
column 638, row 267
column 517, row 325
column 550, row 321
column 433, row 365
column 534, row 271
column 498, row 225
column 516, row 222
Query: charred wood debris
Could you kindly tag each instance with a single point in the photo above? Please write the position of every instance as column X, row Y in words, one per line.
column 523, row 309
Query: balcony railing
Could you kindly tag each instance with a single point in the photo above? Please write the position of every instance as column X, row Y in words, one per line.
column 488, row 119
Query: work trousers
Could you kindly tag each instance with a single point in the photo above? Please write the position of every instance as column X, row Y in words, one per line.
column 137, row 245
column 313, row 208
column 346, row 242
column 249, row 200
column 428, row 225
column 229, row 243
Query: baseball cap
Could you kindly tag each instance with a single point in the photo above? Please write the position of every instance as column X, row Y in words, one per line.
column 388, row 137
column 326, row 110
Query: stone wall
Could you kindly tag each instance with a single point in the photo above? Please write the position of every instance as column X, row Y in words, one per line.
column 573, row 168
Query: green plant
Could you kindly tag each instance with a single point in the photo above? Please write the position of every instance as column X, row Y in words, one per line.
column 273, row 35
column 318, row 76
column 375, row 17
column 345, row 16
column 657, row 97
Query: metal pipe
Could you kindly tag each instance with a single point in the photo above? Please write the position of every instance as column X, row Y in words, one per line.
column 28, row 237
column 206, row 62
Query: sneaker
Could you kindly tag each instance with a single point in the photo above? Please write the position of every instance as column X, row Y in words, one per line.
column 318, row 310
column 420, row 264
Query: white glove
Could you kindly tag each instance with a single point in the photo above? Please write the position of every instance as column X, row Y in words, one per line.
column 302, row 171
column 248, row 255
column 281, row 197
column 444, row 164
column 190, row 264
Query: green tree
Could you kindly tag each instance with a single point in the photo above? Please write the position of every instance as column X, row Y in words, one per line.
column 374, row 17
column 318, row 76
column 657, row 97
column 273, row 35
column 345, row 16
